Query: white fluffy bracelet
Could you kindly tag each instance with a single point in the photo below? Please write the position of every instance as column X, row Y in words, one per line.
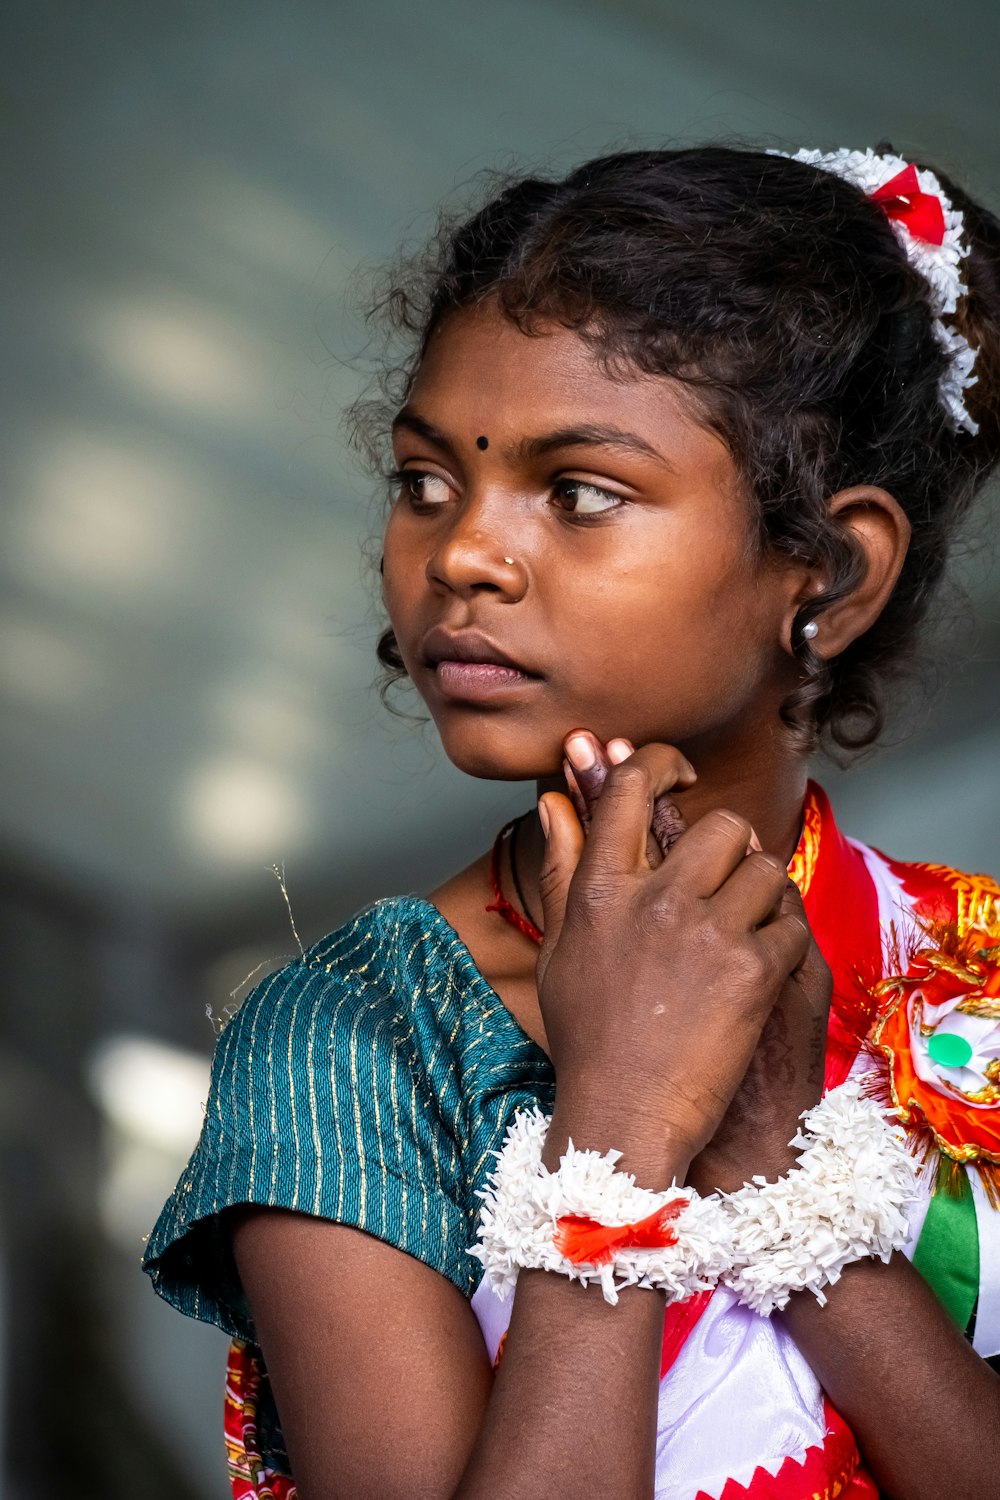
column 526, row 1208
column 847, row 1199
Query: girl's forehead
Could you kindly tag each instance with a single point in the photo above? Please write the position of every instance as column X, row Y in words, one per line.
column 481, row 371
column 482, row 341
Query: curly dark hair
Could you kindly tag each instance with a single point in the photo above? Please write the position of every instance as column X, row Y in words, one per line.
column 781, row 296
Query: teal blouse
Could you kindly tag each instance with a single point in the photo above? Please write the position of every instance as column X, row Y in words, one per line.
column 368, row 1082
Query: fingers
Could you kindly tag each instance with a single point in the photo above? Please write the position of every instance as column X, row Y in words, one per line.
column 668, row 823
column 586, row 769
column 755, row 890
column 813, row 973
column 787, row 938
column 575, row 795
column 588, row 765
column 564, row 842
column 621, row 819
column 707, row 854
column 802, row 1010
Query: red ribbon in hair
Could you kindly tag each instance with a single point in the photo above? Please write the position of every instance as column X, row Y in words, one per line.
column 901, row 198
column 588, row 1243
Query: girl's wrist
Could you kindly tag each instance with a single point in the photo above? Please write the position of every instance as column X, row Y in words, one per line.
column 651, row 1149
column 715, row 1172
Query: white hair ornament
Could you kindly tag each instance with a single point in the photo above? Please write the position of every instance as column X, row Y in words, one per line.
column 930, row 231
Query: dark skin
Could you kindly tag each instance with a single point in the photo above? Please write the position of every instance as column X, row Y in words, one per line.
column 669, row 992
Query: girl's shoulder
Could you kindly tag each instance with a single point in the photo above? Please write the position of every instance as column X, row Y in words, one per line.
column 398, row 946
column 396, row 975
column 367, row 1081
column 377, row 1041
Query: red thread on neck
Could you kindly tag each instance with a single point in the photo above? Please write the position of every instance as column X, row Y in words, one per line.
column 500, row 904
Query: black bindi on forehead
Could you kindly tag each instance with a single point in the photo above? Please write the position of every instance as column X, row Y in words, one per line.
column 482, row 443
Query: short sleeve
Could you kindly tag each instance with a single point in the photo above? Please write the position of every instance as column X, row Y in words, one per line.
column 319, row 1104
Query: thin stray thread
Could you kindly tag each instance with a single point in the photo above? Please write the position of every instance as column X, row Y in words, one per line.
column 280, row 877
column 264, row 963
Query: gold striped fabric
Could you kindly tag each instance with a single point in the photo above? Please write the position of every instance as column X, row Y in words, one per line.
column 367, row 1082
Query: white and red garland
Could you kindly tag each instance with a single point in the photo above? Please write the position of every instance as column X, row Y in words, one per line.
column 847, row 1199
column 532, row 1217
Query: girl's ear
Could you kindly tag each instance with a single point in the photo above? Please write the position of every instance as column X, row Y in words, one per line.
column 878, row 532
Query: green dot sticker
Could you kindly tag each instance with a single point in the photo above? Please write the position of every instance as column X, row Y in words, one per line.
column 948, row 1049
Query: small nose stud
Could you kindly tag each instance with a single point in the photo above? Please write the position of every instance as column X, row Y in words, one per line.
column 509, row 561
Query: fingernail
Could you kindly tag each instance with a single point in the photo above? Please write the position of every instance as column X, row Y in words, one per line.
column 755, row 843
column 619, row 750
column 543, row 818
column 581, row 752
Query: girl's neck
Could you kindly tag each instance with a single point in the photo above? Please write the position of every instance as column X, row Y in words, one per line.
column 770, row 797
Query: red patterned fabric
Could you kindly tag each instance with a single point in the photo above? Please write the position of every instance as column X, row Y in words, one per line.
column 249, row 1476
column 841, row 903
column 678, row 1323
column 830, row 1472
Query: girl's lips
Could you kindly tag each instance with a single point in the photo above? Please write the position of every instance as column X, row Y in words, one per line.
column 472, row 680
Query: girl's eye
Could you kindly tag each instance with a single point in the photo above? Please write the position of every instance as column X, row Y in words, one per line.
column 582, row 499
column 420, row 487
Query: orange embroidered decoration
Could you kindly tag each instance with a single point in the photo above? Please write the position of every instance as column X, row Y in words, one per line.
column 938, row 1030
column 806, row 854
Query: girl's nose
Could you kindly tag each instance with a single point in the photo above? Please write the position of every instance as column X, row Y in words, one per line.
column 474, row 559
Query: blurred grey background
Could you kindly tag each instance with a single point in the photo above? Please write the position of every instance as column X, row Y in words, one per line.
column 187, row 621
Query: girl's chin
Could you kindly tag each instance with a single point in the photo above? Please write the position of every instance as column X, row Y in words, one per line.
column 488, row 756
column 490, row 768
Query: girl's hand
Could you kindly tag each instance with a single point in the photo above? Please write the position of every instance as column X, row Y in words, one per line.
column 785, row 1077
column 585, row 785
column 655, row 983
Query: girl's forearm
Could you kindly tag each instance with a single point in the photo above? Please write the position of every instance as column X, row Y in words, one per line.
column 573, row 1410
column 924, row 1407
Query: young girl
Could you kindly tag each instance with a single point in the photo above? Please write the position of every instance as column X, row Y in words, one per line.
column 682, row 444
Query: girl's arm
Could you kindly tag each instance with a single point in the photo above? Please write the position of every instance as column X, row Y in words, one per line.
column 385, row 1391
column 377, row 1363
column 923, row 1405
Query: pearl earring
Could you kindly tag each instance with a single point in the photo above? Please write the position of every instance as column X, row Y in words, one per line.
column 810, row 631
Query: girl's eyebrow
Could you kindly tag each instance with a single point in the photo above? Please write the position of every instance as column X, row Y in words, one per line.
column 407, row 418
column 589, row 435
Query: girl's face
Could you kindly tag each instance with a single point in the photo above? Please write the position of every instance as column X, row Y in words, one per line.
column 572, row 549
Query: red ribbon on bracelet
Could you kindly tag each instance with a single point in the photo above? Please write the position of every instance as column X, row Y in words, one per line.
column 586, row 1242
column 901, row 198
